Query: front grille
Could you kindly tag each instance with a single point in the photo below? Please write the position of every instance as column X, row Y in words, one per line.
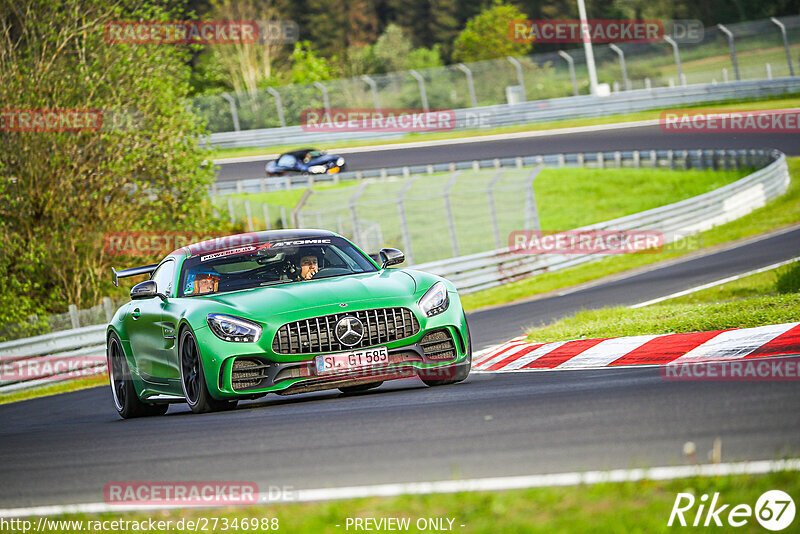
column 316, row 335
column 438, row 345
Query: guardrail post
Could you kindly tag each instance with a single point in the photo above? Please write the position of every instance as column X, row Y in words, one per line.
column 73, row 316
column 401, row 212
column 531, row 211
column 769, row 71
column 520, row 79
column 470, row 83
column 493, row 208
column 581, row 161
column 622, row 66
column 675, row 53
column 648, row 84
column 406, row 172
column 265, row 213
column 108, row 307
column 234, row 114
column 262, row 185
column 618, row 159
column 600, row 160
column 782, row 28
column 702, row 156
column 278, row 105
column 421, row 82
column 671, row 159
column 571, row 63
column 518, row 162
column 637, row 159
column 429, row 169
column 374, row 89
column 732, row 46
column 287, row 183
column 562, row 160
column 451, row 224
column 326, row 101
column 384, row 174
column 476, row 166
column 653, row 159
column 248, row 215
column 239, row 186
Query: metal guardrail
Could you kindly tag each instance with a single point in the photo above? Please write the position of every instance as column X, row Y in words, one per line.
column 532, row 112
column 489, row 269
column 84, row 348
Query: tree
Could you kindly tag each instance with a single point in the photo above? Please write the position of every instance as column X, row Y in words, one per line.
column 486, row 36
column 62, row 191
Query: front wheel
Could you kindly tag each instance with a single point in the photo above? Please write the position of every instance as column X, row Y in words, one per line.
column 126, row 401
column 193, row 379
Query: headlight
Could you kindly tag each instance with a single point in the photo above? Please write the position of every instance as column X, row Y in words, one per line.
column 340, row 162
column 435, row 300
column 317, row 169
column 230, row 328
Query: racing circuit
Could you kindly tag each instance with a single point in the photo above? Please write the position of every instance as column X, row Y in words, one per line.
column 63, row 449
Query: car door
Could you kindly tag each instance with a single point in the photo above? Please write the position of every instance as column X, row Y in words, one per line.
column 152, row 338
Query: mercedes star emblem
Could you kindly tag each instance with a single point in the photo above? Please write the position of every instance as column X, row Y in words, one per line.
column 349, row 331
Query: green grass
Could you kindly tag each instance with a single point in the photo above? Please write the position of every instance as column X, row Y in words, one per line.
column 756, row 300
column 627, row 507
column 786, row 101
column 54, row 389
column 781, row 212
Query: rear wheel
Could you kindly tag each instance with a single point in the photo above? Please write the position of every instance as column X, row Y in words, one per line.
column 126, row 401
column 193, row 379
column 361, row 387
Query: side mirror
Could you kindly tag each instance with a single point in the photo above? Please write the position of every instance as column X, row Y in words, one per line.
column 146, row 290
column 391, row 256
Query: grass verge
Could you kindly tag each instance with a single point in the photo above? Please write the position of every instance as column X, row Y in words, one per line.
column 778, row 213
column 771, row 297
column 786, row 101
column 642, row 506
column 55, row 389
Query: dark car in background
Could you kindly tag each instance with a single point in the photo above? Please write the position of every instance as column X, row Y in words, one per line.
column 305, row 161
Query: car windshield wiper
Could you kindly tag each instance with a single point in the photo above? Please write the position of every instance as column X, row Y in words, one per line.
column 275, row 282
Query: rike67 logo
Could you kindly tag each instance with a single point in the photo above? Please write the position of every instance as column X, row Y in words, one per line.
column 774, row 510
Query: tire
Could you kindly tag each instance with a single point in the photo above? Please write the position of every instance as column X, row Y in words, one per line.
column 361, row 387
column 193, row 379
column 454, row 373
column 123, row 394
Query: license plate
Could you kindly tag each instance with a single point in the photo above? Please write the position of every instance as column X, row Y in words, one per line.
column 333, row 170
column 345, row 361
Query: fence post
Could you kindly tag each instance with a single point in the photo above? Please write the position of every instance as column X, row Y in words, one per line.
column 675, row 53
column 108, row 307
column 421, row 81
column 732, row 46
column 769, row 71
column 451, row 225
column 265, row 213
column 248, row 215
column 278, row 105
column 374, row 89
column 326, row 101
column 299, row 206
column 234, row 114
column 401, row 212
column 622, row 66
column 73, row 316
column 571, row 63
column 520, row 79
column 531, row 211
column 782, row 28
column 354, row 214
column 470, row 84
column 493, row 208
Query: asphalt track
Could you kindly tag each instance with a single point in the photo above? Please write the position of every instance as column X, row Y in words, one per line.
column 642, row 138
column 64, row 449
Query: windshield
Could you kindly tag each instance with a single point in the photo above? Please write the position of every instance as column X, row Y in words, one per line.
column 271, row 263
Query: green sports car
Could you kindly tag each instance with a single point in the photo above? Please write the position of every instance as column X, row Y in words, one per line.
column 287, row 311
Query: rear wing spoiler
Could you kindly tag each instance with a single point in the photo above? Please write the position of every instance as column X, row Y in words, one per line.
column 133, row 271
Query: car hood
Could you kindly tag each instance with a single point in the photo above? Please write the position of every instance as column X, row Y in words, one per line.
column 265, row 303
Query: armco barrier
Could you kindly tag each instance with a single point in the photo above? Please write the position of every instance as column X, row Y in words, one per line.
column 573, row 107
column 489, row 269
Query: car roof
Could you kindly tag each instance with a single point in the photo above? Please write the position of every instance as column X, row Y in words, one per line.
column 252, row 238
column 300, row 153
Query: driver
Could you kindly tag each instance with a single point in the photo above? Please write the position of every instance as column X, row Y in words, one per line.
column 205, row 282
column 309, row 266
